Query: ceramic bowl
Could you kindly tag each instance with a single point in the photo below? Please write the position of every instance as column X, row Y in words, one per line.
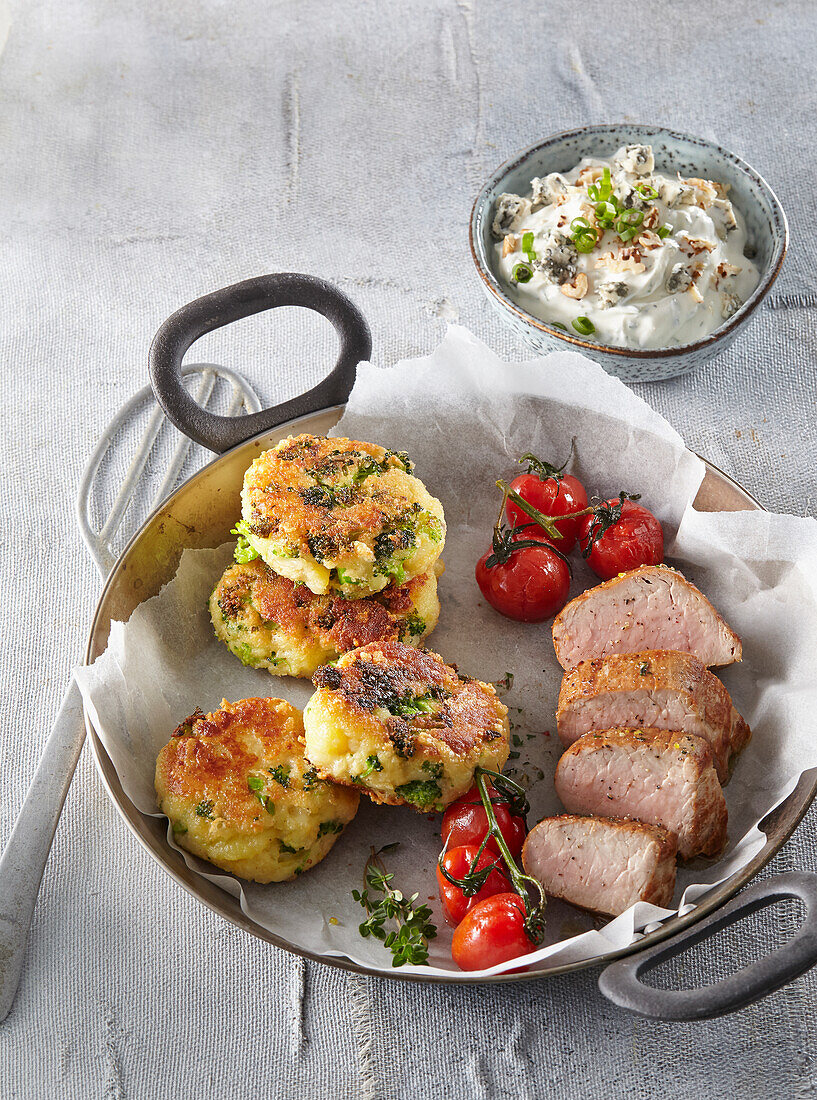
column 767, row 235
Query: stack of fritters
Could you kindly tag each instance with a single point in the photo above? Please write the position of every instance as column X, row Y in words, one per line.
column 338, row 547
column 335, row 574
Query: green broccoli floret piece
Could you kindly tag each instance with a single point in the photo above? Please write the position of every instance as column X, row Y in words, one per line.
column 244, row 551
column 423, row 793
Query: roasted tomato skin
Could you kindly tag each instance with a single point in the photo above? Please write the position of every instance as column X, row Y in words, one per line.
column 490, row 933
column 466, row 823
column 554, row 498
column 636, row 539
column 530, row 587
column 457, row 861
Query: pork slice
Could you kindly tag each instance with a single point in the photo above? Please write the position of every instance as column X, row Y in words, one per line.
column 662, row 777
column 662, row 689
column 653, row 607
column 602, row 864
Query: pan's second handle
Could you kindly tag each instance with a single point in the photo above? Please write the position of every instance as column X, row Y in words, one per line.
column 620, row 981
column 187, row 324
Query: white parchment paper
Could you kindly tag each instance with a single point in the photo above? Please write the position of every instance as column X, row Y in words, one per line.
column 464, row 416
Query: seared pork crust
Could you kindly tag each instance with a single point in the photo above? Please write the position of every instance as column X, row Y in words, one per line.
column 653, row 607
column 659, row 688
column 662, row 777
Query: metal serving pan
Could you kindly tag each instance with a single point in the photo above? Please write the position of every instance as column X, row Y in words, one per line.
column 200, row 514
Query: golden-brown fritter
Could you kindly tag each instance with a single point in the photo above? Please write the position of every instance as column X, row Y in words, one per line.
column 340, row 515
column 403, row 726
column 269, row 622
column 240, row 793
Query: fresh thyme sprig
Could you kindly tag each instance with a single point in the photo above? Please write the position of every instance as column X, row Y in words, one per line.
column 408, row 942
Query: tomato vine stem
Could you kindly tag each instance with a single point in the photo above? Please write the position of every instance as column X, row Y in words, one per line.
column 527, row 887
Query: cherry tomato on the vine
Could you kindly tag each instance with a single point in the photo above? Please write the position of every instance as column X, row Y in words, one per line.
column 491, row 933
column 466, row 823
column 531, row 586
column 634, row 538
column 457, row 861
column 553, row 496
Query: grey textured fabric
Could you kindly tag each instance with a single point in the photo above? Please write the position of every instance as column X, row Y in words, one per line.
column 152, row 152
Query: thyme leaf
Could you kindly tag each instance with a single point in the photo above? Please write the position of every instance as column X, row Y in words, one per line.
column 402, row 926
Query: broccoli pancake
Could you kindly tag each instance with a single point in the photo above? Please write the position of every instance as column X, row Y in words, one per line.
column 269, row 622
column 338, row 515
column 240, row 793
column 403, row 726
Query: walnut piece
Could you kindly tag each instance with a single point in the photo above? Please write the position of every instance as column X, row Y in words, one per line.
column 693, row 246
column 703, row 193
column 510, row 244
column 695, row 293
column 649, row 240
column 628, row 260
column 577, row 288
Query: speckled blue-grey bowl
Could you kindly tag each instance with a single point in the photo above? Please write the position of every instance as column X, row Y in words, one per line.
column 767, row 235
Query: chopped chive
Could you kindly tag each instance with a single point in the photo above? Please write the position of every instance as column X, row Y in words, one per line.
column 629, row 217
column 663, row 231
column 558, row 324
column 583, row 325
column 522, row 273
column 646, row 191
column 600, row 192
column 605, row 213
column 583, row 235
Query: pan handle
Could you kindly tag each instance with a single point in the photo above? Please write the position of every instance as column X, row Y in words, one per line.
column 620, row 981
column 187, row 324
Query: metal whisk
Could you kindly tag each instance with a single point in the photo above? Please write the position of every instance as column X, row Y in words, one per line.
column 24, row 856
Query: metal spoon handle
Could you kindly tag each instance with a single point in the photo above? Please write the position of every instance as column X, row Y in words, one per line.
column 26, row 853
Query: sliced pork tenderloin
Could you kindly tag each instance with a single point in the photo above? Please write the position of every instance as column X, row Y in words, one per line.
column 661, row 688
column 602, row 864
column 662, row 777
column 653, row 607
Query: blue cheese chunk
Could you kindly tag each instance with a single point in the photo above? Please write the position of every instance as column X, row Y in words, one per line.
column 730, row 304
column 678, row 280
column 612, row 292
column 558, row 258
column 546, row 190
column 636, row 159
column 723, row 217
column 508, row 213
column 671, row 191
column 627, row 195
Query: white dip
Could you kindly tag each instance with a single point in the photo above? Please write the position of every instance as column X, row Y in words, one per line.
column 651, row 261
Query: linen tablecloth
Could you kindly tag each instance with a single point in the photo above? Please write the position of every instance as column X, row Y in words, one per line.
column 152, row 152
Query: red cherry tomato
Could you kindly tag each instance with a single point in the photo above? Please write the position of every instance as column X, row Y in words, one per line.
column 457, row 861
column 637, row 538
column 531, row 586
column 554, row 498
column 466, row 823
column 491, row 933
